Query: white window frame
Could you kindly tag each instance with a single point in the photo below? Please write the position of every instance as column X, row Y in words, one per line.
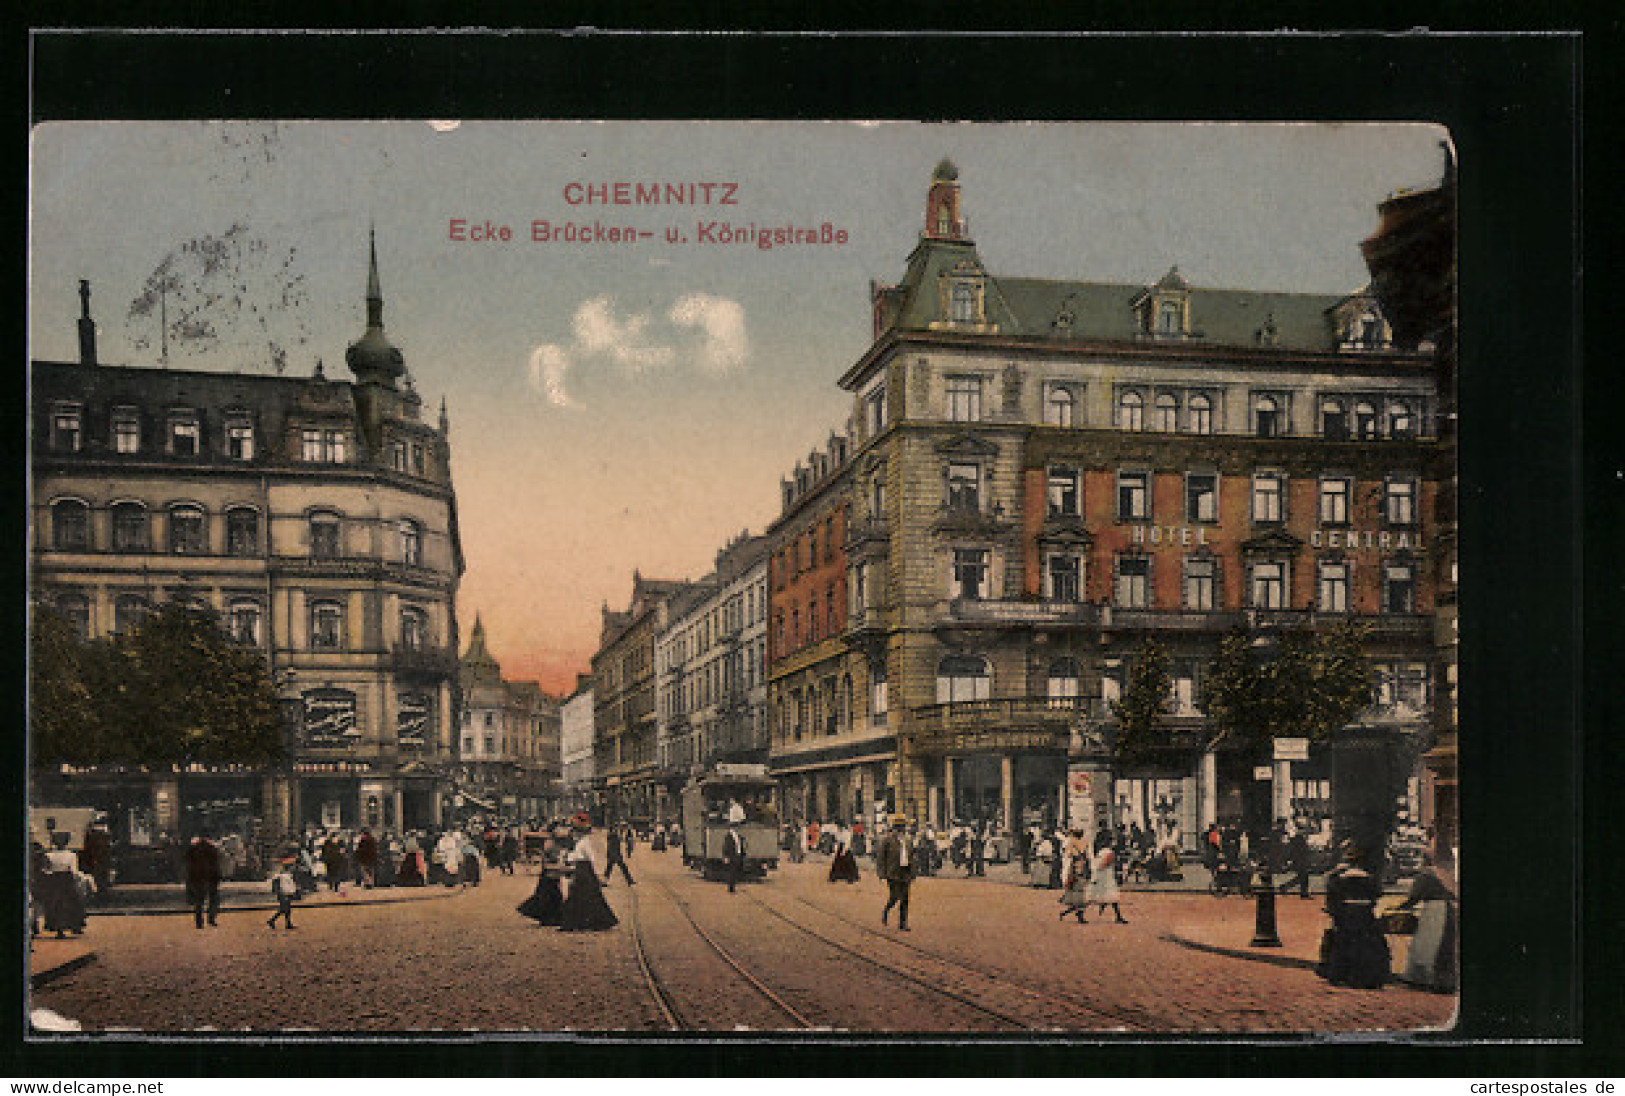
column 1165, row 413
column 1269, row 584
column 1063, row 492
column 1132, row 591
column 1060, row 405
column 1139, row 481
column 126, row 441
column 1335, row 504
column 1196, row 512
column 966, row 562
column 1199, row 419
column 1332, row 581
column 1399, row 501
column 964, row 397
column 1130, row 410
column 1269, row 506
column 1201, row 583
column 1053, row 590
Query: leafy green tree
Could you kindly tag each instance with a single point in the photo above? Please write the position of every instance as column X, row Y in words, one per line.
column 1305, row 684
column 1145, row 701
column 173, row 690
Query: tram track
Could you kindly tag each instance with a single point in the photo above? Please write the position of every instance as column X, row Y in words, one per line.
column 662, row 993
column 1127, row 1018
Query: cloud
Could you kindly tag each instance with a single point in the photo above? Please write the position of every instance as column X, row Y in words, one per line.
column 723, row 322
column 548, row 365
column 599, row 332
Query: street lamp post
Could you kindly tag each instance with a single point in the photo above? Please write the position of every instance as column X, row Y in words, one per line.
column 1265, row 934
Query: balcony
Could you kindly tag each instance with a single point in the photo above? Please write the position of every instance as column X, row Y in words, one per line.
column 867, row 531
column 423, row 661
column 1007, row 723
column 1012, row 613
column 1174, row 620
column 960, row 518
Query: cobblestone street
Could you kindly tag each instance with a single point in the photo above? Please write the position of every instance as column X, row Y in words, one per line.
column 982, row 956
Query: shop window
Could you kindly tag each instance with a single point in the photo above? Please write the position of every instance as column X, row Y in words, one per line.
column 1267, row 579
column 961, row 678
column 70, row 526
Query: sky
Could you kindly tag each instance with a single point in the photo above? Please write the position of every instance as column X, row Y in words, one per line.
column 632, row 406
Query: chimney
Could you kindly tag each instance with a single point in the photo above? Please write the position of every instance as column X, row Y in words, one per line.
column 87, row 326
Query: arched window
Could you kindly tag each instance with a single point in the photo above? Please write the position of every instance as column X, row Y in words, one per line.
column 1200, row 409
column 324, row 535
column 1064, row 678
column 962, row 677
column 1058, row 406
column 1334, row 419
column 1167, row 413
column 326, row 625
column 1401, row 423
column 411, row 543
column 129, row 610
column 1267, row 416
column 186, row 531
column 414, row 629
column 75, row 609
column 70, row 525
column 130, row 527
column 1131, row 411
column 1365, row 420
column 242, row 531
column 243, row 621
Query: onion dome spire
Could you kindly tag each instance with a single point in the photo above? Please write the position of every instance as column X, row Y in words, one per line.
column 373, row 357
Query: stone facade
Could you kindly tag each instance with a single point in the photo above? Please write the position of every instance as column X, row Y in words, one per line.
column 508, row 758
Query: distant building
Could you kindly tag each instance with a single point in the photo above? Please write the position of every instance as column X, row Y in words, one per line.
column 576, row 747
column 316, row 517
column 625, row 734
column 508, row 749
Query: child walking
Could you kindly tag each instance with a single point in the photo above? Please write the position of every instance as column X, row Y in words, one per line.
column 285, row 889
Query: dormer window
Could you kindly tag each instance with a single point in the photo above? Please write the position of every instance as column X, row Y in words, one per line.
column 185, row 433
column 964, row 303
column 397, row 456
column 126, row 426
column 239, row 436
column 1169, row 317
column 323, row 445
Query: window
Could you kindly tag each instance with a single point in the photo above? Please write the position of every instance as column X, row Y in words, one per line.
column 411, row 543
column 1400, row 504
column 965, row 308
column 324, row 536
column 1332, row 587
column 1269, row 490
column 875, row 411
column 326, row 625
column 418, row 460
column 1334, row 501
column 961, row 678
column 397, row 456
column 242, row 531
column 1063, row 493
column 1130, row 411
column 1134, row 582
column 243, row 622
column 965, row 399
column 878, row 699
column 1199, row 412
column 964, row 487
column 829, row 611
column 325, row 446
column 1401, row 422
column 1133, row 496
column 1183, row 687
column 70, row 526
column 1334, row 420
column 1202, row 496
column 1398, row 588
column 239, row 437
column 67, row 427
column 1168, row 318
column 126, row 430
column 468, row 744
column 186, row 535
column 1111, row 681
column 414, row 629
column 129, row 610
column 1368, row 330
column 1167, row 413
column 75, row 609
column 1199, row 583
column 1058, row 405
column 1064, row 679
column 1267, row 418
column 1061, row 578
column 130, row 527
column 1269, row 584
column 490, row 743
column 970, row 573
column 1402, row 688
column 1365, row 420
column 185, row 435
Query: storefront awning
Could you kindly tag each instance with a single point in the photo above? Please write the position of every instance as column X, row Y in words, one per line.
column 840, row 763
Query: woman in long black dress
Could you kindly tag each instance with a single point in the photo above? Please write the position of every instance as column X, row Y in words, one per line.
column 585, row 909
column 1354, row 951
column 545, row 905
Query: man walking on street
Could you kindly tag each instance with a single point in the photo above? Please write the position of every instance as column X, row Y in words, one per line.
column 733, row 853
column 1297, row 860
column 203, row 879
column 615, row 859
column 895, row 862
column 978, row 853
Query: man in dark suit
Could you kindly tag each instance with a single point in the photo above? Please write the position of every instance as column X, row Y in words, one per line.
column 616, row 860
column 733, row 854
column 895, row 863
column 203, row 879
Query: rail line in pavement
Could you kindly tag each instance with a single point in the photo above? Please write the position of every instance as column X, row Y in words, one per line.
column 662, row 994
column 1130, row 1018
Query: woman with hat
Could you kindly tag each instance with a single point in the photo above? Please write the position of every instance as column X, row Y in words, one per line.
column 585, row 909
column 1103, row 890
column 1353, row 951
column 545, row 906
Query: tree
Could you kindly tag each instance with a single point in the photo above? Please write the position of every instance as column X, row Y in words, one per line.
column 1145, row 701
column 172, row 691
column 1305, row 684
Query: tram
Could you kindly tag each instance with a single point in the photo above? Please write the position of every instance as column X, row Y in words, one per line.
column 744, row 793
